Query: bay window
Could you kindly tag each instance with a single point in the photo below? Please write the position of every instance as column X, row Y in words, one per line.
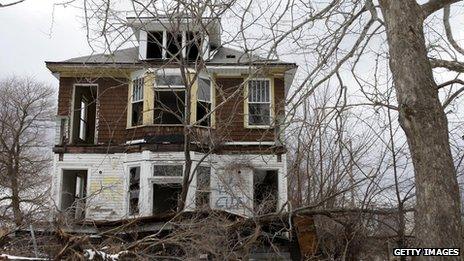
column 169, row 99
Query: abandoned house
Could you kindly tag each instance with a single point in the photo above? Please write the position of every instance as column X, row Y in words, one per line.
column 126, row 122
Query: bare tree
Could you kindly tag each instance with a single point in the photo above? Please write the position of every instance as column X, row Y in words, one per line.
column 25, row 116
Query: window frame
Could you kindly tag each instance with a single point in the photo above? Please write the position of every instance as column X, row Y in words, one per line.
column 184, row 35
column 210, row 102
column 141, row 79
column 168, row 88
column 199, row 190
column 128, row 179
column 247, row 102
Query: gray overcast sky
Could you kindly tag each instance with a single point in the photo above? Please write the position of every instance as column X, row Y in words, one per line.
column 26, row 42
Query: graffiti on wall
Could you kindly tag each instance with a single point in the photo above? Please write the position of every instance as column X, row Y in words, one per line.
column 230, row 194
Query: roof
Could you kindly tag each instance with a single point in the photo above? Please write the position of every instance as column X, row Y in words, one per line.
column 223, row 56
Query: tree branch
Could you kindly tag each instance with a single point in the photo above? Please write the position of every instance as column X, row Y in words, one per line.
column 448, row 31
column 434, row 5
column 452, row 97
column 450, row 65
column 450, row 82
column 10, row 4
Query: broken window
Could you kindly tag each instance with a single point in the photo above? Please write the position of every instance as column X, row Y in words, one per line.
column 83, row 119
column 84, row 114
column 137, row 102
column 173, row 45
column 165, row 197
column 265, row 191
column 166, row 188
column 259, row 102
column 202, row 195
column 134, row 190
column 204, row 101
column 155, row 45
column 169, row 99
column 73, row 193
column 168, row 170
column 193, row 48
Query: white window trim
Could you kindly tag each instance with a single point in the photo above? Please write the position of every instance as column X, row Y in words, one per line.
column 60, row 187
column 138, row 77
column 247, row 102
column 166, row 179
column 129, row 166
column 163, row 179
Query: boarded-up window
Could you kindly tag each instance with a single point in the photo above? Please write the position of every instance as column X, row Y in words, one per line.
column 202, row 194
column 259, row 102
column 134, row 190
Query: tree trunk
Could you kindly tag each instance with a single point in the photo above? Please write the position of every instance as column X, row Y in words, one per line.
column 15, row 199
column 421, row 115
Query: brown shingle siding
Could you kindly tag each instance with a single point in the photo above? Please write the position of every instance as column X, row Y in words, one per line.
column 112, row 111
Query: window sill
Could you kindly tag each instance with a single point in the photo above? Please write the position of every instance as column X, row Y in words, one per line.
column 259, row 127
column 170, row 125
column 154, row 125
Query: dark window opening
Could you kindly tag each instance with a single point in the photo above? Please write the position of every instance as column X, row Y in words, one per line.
column 169, row 107
column 83, row 128
column 203, row 109
column 134, row 190
column 204, row 102
column 265, row 191
column 73, row 193
column 193, row 43
column 165, row 198
column 173, row 45
column 155, row 45
column 202, row 194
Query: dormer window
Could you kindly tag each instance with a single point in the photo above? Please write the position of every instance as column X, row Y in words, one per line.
column 173, row 45
column 155, row 45
column 168, row 45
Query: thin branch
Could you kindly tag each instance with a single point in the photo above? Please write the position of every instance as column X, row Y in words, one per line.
column 448, row 31
column 452, row 97
column 450, row 82
column 10, row 4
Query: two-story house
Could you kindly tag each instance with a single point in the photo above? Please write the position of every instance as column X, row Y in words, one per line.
column 129, row 122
